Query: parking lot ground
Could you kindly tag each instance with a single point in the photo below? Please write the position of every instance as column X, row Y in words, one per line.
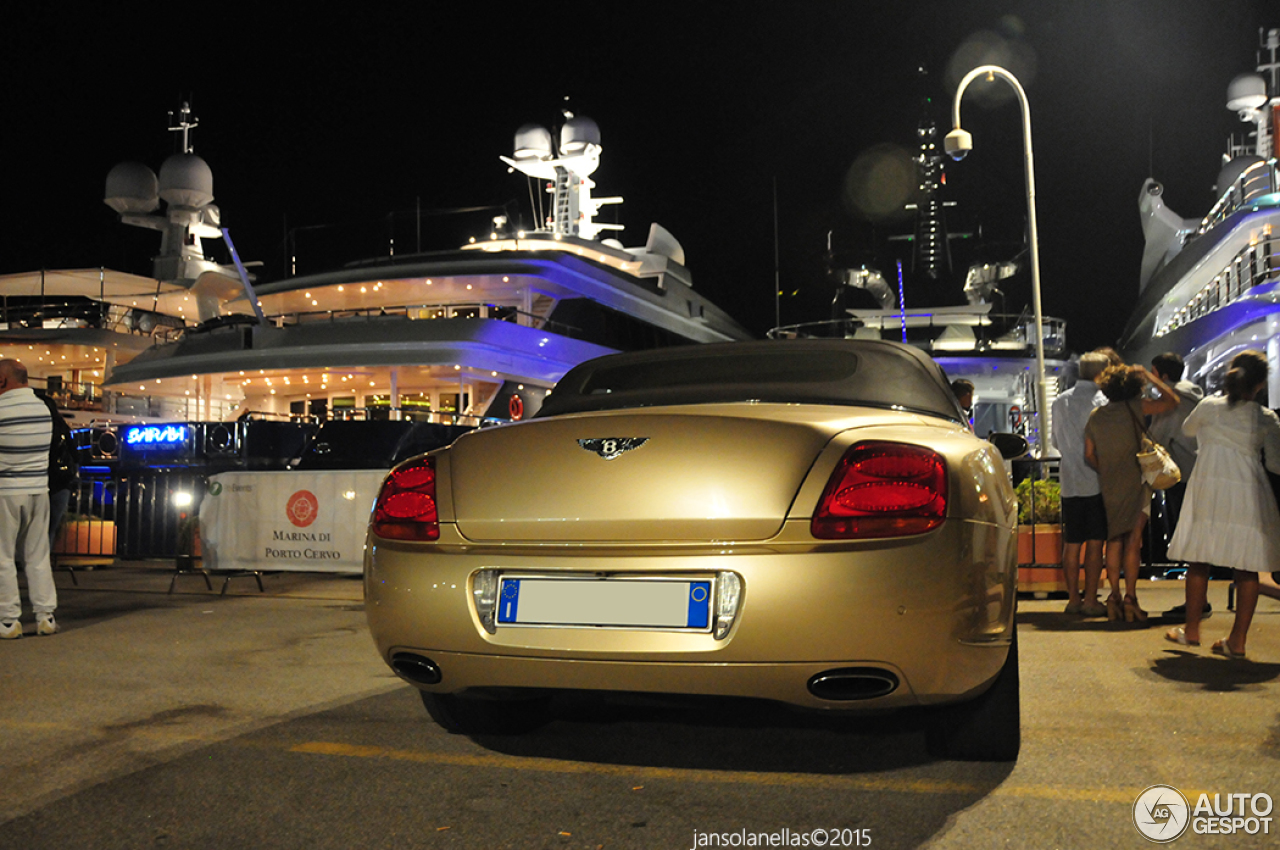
column 266, row 720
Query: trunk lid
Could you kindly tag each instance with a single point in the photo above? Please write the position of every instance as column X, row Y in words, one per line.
column 702, row 475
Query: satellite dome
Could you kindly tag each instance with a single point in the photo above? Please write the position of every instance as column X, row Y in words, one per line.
column 186, row 181
column 533, row 142
column 576, row 134
column 1232, row 171
column 1247, row 91
column 131, row 188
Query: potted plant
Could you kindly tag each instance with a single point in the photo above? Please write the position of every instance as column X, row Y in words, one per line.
column 1039, row 521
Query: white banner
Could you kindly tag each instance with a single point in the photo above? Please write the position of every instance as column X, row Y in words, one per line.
column 303, row 521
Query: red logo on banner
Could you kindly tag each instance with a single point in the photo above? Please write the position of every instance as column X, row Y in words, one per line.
column 302, row 508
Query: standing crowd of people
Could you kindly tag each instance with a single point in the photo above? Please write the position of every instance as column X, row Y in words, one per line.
column 1223, row 513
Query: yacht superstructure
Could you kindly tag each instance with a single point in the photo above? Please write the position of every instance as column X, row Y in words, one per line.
column 1210, row 287
column 479, row 333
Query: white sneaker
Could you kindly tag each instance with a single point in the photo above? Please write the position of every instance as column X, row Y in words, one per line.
column 10, row 629
column 45, row 624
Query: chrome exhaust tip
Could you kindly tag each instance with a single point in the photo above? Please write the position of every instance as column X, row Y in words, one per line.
column 853, row 683
column 416, row 668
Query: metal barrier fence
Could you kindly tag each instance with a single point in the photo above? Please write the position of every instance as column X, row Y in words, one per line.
column 135, row 514
column 140, row 486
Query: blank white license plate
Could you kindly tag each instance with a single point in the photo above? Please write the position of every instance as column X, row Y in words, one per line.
column 648, row 603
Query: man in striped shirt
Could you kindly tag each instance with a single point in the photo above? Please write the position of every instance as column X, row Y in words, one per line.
column 26, row 430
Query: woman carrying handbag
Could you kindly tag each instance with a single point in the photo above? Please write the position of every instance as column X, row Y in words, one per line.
column 1111, row 446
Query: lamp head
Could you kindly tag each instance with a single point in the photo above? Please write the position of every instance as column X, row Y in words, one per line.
column 958, row 143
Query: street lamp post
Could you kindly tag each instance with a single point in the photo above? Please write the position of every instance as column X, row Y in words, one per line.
column 958, row 143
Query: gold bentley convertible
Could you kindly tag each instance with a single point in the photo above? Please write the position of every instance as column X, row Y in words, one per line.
column 807, row 521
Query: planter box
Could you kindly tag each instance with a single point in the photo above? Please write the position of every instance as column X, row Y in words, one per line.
column 86, row 537
column 1039, row 544
column 1040, row 559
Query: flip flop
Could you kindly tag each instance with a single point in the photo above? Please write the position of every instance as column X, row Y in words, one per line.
column 1179, row 636
column 1222, row 648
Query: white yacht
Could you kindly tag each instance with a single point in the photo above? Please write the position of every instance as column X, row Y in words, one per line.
column 199, row 381
column 479, row 333
column 1210, row 287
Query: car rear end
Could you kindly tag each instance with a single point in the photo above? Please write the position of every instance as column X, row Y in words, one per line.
column 832, row 557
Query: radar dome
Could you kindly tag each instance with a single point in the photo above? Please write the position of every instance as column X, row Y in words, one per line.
column 1231, row 172
column 576, row 134
column 186, row 181
column 131, row 188
column 1247, row 91
column 533, row 142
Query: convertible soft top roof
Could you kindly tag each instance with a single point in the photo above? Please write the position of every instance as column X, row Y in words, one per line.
column 809, row 371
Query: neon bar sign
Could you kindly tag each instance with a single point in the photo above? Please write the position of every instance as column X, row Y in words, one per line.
column 158, row 436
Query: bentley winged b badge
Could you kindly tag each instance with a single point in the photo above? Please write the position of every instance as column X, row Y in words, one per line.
column 611, row 447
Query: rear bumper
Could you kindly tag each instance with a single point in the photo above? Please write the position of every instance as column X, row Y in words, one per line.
column 934, row 611
column 786, row 683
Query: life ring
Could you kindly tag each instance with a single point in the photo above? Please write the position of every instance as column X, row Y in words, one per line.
column 515, row 406
column 1015, row 416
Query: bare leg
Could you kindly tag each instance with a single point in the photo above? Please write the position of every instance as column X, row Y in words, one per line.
column 1092, row 568
column 1114, row 551
column 1246, row 604
column 1071, row 572
column 1133, row 558
column 1197, row 590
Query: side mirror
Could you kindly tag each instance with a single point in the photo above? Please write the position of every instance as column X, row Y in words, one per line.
column 1011, row 446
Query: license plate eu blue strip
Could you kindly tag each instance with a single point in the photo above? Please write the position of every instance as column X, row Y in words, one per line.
column 620, row 603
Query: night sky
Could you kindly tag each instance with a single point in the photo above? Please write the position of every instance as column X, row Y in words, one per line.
column 338, row 123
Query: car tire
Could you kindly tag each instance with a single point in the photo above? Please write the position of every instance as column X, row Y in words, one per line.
column 477, row 716
column 987, row 728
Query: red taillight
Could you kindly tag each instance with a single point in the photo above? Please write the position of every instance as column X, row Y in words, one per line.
column 883, row 489
column 406, row 506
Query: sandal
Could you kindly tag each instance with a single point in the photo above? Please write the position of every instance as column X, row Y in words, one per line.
column 1115, row 610
column 1179, row 636
column 1221, row 647
column 1132, row 613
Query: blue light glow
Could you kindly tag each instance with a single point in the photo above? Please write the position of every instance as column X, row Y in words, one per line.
column 160, row 436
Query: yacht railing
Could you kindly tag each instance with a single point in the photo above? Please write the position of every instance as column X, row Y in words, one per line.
column 61, row 312
column 413, row 312
column 1256, row 181
column 90, row 397
column 1254, row 265
column 71, row 395
column 988, row 334
column 363, row 414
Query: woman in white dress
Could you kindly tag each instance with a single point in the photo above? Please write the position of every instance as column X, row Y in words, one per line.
column 1229, row 518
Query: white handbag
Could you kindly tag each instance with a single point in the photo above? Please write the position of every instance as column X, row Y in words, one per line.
column 1159, row 470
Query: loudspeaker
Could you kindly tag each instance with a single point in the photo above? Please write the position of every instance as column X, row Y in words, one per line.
column 221, row 439
column 104, row 443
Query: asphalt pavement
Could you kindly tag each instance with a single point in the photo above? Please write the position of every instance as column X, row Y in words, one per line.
column 265, row 719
